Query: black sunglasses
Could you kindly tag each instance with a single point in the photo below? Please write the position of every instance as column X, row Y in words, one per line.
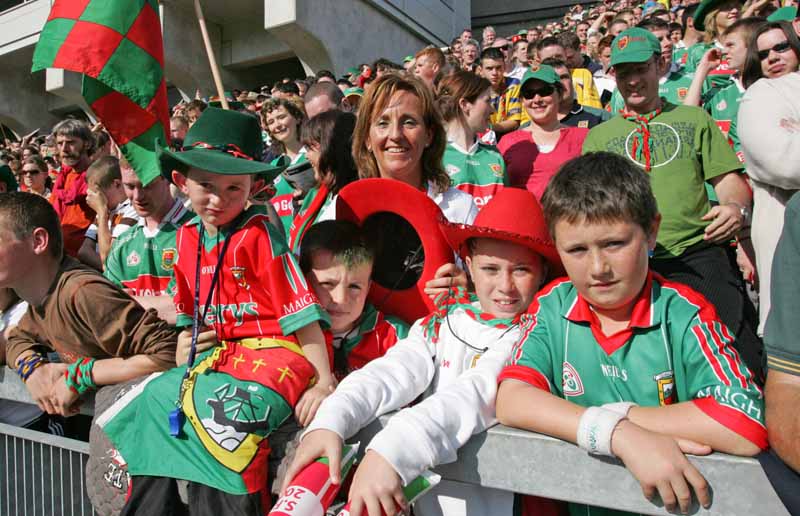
column 780, row 48
column 544, row 91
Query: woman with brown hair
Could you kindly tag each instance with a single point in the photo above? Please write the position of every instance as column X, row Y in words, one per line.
column 464, row 101
column 281, row 119
column 327, row 139
column 772, row 51
column 34, row 176
column 400, row 136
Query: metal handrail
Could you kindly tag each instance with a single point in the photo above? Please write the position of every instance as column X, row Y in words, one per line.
column 529, row 463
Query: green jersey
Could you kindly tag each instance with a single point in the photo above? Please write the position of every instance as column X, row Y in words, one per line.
column 723, row 105
column 284, row 193
column 674, row 350
column 141, row 261
column 480, row 171
column 718, row 77
column 686, row 149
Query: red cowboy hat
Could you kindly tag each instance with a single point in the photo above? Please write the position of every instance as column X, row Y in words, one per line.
column 514, row 215
column 367, row 203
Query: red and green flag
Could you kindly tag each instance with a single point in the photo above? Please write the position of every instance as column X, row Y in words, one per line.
column 118, row 47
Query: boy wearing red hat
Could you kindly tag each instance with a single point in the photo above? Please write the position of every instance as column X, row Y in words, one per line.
column 235, row 275
column 619, row 360
column 454, row 355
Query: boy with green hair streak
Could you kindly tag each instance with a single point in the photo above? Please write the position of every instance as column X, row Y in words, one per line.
column 233, row 274
column 337, row 260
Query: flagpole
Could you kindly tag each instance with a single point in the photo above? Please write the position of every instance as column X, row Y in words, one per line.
column 210, row 51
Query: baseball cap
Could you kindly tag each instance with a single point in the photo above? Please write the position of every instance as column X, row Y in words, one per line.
column 522, row 32
column 544, row 73
column 408, row 59
column 634, row 46
column 359, row 92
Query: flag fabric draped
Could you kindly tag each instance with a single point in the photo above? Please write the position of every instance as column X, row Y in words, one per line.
column 118, row 47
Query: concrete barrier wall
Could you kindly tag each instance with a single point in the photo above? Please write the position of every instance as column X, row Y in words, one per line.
column 529, row 463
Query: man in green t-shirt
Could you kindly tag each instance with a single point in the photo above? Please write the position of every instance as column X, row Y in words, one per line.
column 673, row 82
column 681, row 148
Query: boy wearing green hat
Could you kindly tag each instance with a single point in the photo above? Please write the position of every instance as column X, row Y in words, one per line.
column 234, row 276
column 681, row 148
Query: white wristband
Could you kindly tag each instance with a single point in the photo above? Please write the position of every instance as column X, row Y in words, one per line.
column 620, row 407
column 596, row 428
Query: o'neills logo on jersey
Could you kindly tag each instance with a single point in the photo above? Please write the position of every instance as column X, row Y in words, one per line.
column 168, row 258
column 133, row 259
column 571, row 382
column 298, row 304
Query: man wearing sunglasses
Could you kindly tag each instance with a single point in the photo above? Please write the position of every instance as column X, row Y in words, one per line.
column 681, row 148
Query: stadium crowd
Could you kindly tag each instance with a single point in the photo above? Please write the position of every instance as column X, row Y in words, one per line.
column 587, row 229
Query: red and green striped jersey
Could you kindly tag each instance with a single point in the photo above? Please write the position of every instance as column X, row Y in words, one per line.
column 371, row 339
column 674, row 350
column 141, row 261
column 723, row 106
column 261, row 290
column 479, row 171
column 117, row 45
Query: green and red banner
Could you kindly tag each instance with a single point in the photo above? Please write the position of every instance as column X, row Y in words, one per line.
column 118, row 47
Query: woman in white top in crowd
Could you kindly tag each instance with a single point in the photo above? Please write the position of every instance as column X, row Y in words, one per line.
column 769, row 131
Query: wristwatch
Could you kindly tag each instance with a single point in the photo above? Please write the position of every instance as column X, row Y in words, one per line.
column 744, row 211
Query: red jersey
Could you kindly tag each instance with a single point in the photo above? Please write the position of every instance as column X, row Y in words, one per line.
column 261, row 290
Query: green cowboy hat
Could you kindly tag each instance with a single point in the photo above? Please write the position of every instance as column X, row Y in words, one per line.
column 705, row 7
column 220, row 141
column 7, row 177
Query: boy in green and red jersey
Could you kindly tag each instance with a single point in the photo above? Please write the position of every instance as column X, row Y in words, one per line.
column 338, row 263
column 141, row 260
column 269, row 354
column 619, row 360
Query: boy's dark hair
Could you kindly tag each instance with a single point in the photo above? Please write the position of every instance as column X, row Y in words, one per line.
column 325, row 73
column 600, row 186
column 343, row 239
column 493, row 53
column 22, row 213
column 688, row 13
column 384, row 65
column 104, row 171
column 569, row 39
column 333, row 132
column 288, row 87
column 651, row 24
column 549, row 41
column 196, row 104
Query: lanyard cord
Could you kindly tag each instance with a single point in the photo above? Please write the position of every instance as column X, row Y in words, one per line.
column 214, row 280
column 454, row 334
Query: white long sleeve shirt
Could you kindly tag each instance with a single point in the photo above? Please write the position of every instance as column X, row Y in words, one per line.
column 769, row 129
column 460, row 387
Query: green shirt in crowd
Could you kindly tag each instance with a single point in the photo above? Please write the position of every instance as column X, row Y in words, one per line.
column 687, row 149
column 783, row 325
